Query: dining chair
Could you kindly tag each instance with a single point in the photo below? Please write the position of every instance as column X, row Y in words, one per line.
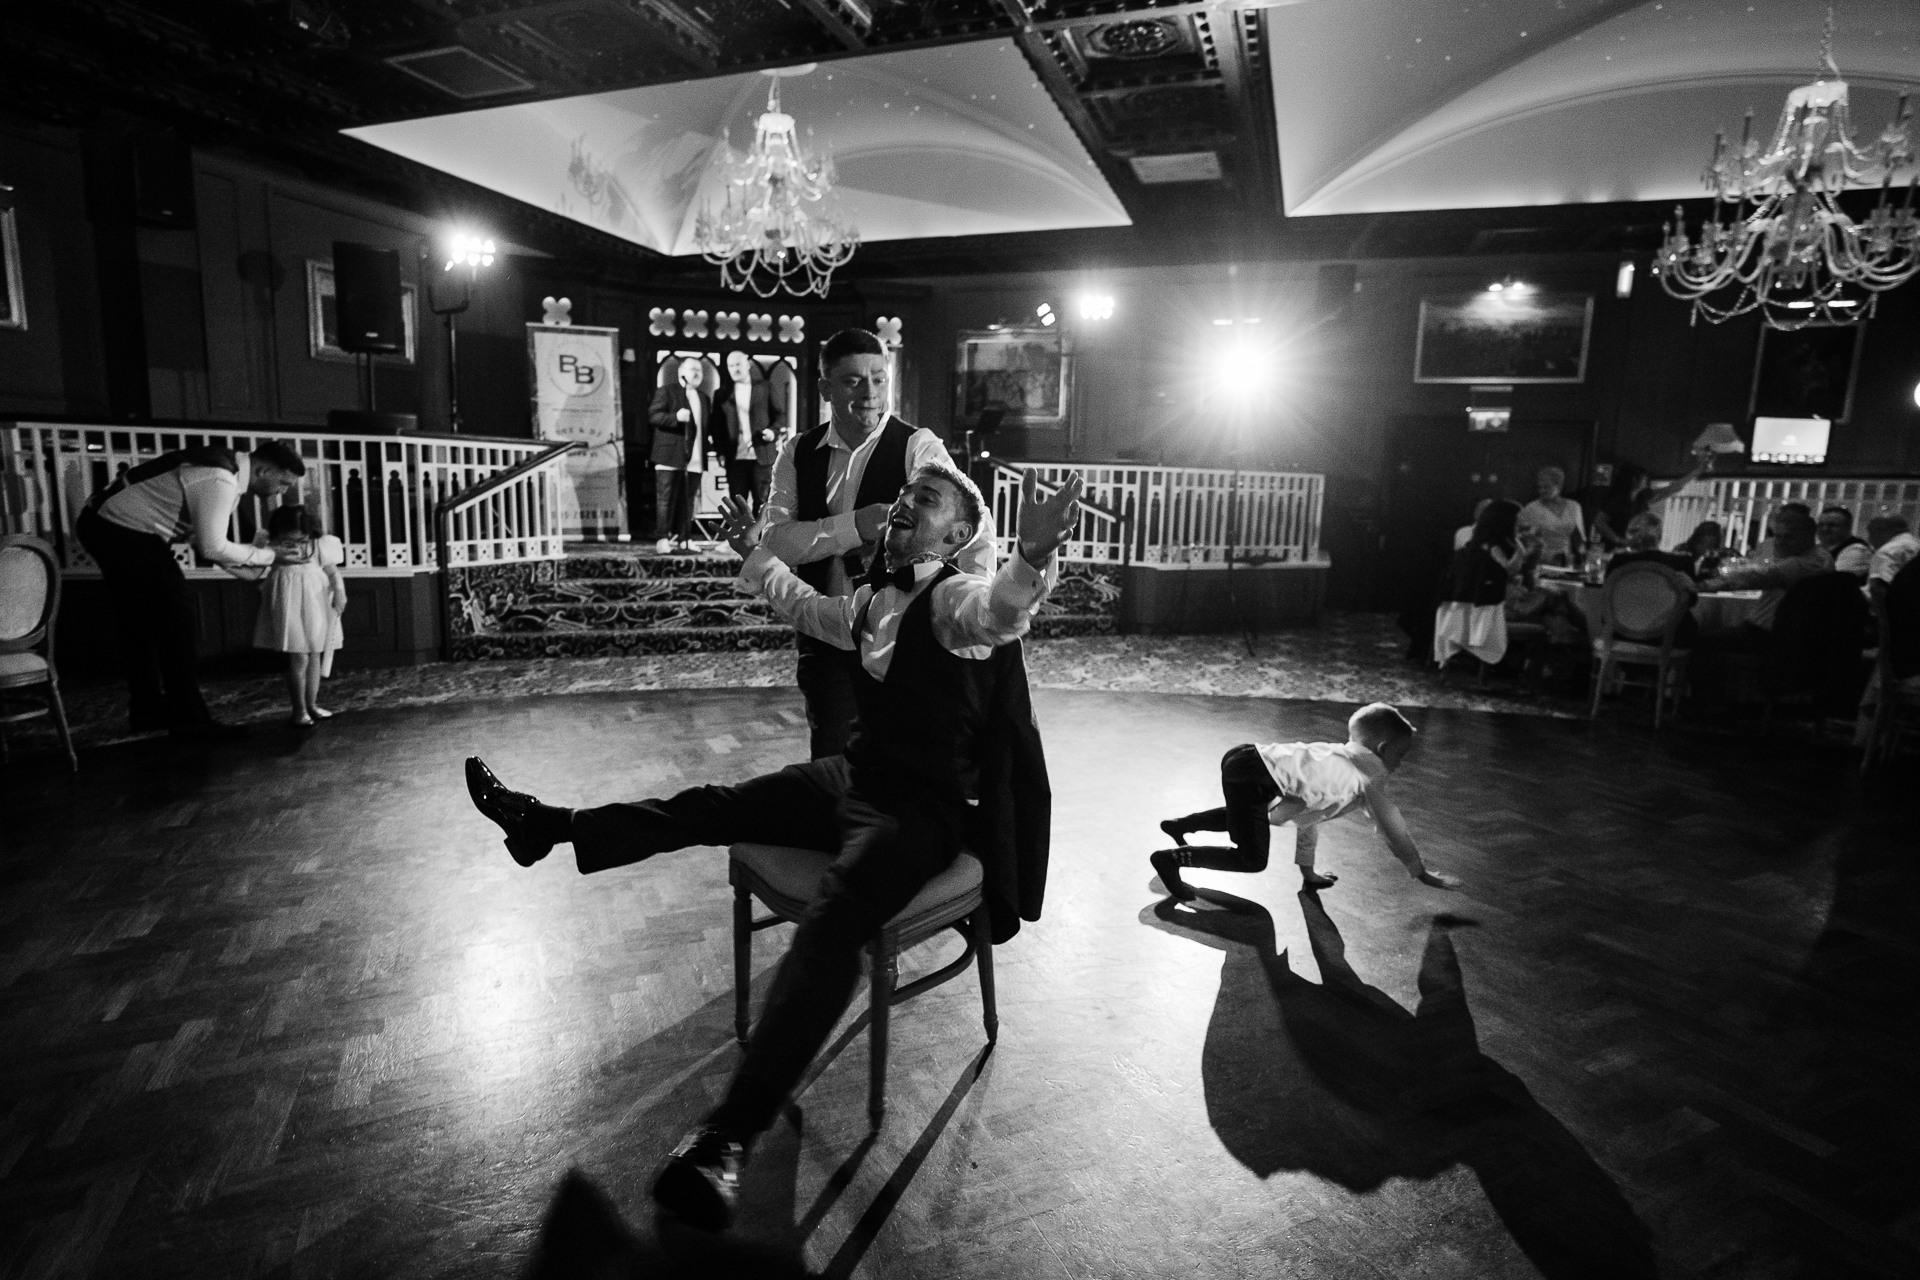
column 786, row 881
column 1895, row 702
column 1641, row 606
column 1817, row 657
column 29, row 604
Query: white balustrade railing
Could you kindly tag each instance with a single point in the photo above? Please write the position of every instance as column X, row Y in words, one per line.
column 1742, row 505
column 378, row 494
column 1177, row 515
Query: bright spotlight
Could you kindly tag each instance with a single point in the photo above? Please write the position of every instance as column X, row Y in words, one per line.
column 1244, row 373
column 1623, row 280
column 1495, row 287
column 470, row 251
column 1096, row 306
column 1916, row 395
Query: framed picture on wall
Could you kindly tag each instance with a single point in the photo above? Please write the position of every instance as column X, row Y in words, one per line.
column 1515, row 334
column 323, row 324
column 1806, row 373
column 1024, row 373
column 13, row 293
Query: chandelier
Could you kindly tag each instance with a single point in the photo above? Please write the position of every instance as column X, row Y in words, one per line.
column 1777, row 234
column 777, row 227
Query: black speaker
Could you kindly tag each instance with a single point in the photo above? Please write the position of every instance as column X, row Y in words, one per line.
column 1338, row 280
column 366, row 298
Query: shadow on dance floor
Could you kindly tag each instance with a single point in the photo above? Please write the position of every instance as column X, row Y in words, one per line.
column 1336, row 1079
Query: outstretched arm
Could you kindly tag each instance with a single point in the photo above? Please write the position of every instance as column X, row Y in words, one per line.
column 828, row 618
column 1393, row 829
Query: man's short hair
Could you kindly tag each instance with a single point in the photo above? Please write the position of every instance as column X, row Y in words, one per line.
column 973, row 506
column 1381, row 722
column 279, row 454
column 1838, row 511
column 849, row 342
column 1793, row 521
column 1801, row 507
column 1644, row 525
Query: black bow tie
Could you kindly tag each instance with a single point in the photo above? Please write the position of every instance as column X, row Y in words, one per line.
column 878, row 575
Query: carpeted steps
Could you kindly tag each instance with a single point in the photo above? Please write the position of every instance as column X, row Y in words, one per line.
column 608, row 600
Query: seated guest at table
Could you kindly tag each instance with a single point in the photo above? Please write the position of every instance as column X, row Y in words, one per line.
column 1763, row 550
column 1894, row 547
column 1704, row 548
column 1643, row 547
column 1554, row 519
column 1796, row 556
column 1464, row 534
column 1632, row 492
column 1834, row 530
column 1471, row 616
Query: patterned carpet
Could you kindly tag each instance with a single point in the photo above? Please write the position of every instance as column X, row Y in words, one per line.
column 1350, row 657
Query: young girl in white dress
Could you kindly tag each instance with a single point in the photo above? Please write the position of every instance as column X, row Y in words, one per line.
column 300, row 604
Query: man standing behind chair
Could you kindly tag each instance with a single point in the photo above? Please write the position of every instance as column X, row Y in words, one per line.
column 931, row 645
column 751, row 427
column 128, row 528
column 828, row 511
column 681, row 415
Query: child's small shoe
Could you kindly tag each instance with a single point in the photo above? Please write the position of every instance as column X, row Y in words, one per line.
column 1166, row 863
column 320, row 713
column 1173, row 828
column 300, row 722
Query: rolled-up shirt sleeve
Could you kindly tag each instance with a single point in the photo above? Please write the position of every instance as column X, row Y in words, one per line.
column 827, row 618
column 794, row 540
column 210, row 501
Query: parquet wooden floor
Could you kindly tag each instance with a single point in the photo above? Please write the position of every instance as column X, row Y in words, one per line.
column 288, row 1010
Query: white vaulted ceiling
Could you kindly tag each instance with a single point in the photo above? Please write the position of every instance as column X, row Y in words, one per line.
column 1388, row 105
column 958, row 140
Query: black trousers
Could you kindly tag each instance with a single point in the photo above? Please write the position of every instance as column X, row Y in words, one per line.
column 741, row 480
column 825, row 675
column 889, row 840
column 1248, row 790
column 673, row 491
column 153, row 615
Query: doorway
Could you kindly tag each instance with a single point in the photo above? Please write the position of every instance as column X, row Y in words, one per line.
column 1437, row 471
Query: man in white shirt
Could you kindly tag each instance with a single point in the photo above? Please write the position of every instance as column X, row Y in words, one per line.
column 1833, row 528
column 129, row 528
column 924, row 637
column 827, row 511
column 1894, row 546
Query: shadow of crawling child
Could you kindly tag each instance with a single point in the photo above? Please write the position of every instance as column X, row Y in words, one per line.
column 1336, row 1079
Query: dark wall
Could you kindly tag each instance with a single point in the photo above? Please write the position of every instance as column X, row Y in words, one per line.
column 54, row 364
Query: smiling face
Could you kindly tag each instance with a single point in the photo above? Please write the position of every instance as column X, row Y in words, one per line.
column 927, row 518
column 856, row 387
column 1832, row 528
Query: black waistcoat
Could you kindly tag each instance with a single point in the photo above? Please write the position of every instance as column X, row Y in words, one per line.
column 203, row 456
column 885, row 476
column 923, row 724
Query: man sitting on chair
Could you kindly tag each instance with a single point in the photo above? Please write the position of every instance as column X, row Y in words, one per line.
column 897, row 806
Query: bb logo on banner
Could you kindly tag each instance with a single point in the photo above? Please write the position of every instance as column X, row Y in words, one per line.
column 576, row 397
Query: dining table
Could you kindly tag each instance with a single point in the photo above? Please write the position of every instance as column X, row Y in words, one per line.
column 1711, row 609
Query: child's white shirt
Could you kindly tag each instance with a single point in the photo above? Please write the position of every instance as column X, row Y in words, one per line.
column 1330, row 779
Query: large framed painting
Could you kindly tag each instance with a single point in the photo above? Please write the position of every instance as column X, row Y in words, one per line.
column 1510, row 336
column 323, row 321
column 1023, row 373
column 13, row 291
column 1806, row 373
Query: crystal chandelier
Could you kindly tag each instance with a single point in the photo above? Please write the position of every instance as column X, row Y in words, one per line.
column 1777, row 234
column 777, row 228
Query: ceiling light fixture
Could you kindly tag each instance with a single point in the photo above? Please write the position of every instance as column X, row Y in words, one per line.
column 1785, row 245
column 778, row 227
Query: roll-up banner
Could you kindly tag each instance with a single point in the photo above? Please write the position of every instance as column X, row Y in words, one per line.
column 576, row 396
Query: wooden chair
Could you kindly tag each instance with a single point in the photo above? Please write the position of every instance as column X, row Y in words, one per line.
column 1640, row 611
column 29, row 603
column 786, row 880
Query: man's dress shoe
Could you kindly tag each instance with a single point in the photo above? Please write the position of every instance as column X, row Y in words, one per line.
column 700, row 1182
column 522, row 817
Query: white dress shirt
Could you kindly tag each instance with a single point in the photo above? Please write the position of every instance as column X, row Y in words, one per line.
column 799, row 541
column 190, row 503
column 697, row 444
column 743, row 416
column 1855, row 558
column 972, row 614
column 1893, row 556
column 1329, row 779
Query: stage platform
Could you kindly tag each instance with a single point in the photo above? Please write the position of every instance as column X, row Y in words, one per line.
column 288, row 1009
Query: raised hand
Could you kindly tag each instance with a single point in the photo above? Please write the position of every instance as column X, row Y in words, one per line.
column 1045, row 524
column 736, row 524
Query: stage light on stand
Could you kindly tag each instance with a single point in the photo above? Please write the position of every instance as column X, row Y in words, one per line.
column 1046, row 314
column 470, row 251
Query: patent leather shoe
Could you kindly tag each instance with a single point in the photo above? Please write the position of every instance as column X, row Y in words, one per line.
column 700, row 1182
column 519, row 815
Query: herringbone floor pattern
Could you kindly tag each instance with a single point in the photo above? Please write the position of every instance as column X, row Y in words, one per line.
column 288, row 1010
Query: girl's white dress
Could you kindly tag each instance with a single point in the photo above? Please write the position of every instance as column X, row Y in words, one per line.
column 296, row 603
